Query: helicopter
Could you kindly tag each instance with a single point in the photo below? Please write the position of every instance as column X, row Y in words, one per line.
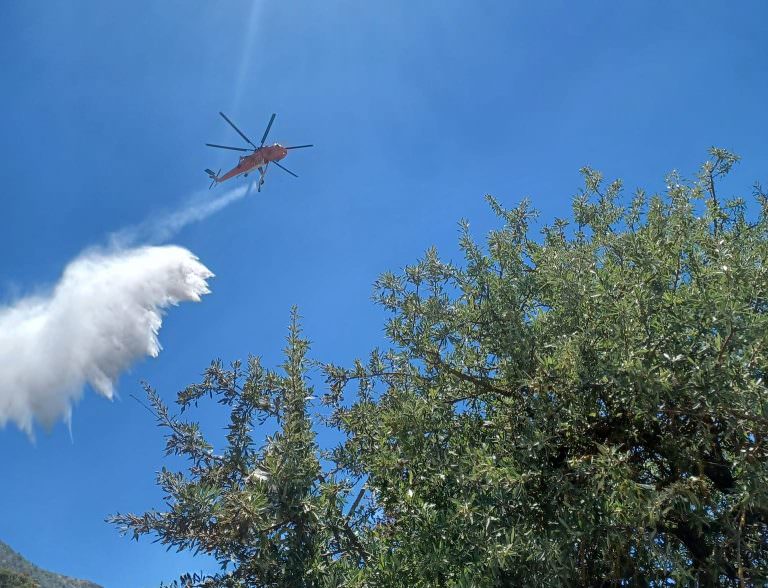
column 259, row 159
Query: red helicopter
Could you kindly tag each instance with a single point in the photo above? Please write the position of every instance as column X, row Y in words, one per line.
column 260, row 158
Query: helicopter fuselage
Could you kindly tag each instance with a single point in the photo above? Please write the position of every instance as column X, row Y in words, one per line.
column 259, row 158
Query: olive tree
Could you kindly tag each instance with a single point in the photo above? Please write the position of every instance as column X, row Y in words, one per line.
column 584, row 408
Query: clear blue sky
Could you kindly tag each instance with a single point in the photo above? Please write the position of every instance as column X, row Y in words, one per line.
column 416, row 109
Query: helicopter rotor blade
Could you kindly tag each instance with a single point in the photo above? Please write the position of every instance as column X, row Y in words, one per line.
column 269, row 126
column 225, row 147
column 299, row 146
column 239, row 132
column 285, row 169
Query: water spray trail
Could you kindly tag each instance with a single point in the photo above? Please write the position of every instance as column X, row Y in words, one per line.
column 164, row 226
column 103, row 315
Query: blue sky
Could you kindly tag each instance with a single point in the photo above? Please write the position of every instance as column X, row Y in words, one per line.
column 417, row 109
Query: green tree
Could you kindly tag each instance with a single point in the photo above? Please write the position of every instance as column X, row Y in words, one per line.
column 584, row 408
column 588, row 408
column 269, row 516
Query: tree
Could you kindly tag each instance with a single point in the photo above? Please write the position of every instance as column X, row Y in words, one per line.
column 585, row 408
column 269, row 515
column 588, row 408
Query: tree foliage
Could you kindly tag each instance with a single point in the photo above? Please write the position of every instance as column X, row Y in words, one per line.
column 583, row 408
column 269, row 515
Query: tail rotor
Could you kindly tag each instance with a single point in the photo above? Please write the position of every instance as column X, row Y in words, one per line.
column 214, row 177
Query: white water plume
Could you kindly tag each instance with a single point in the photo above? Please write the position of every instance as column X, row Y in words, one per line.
column 103, row 314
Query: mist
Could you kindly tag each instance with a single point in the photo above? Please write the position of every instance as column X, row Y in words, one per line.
column 104, row 314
